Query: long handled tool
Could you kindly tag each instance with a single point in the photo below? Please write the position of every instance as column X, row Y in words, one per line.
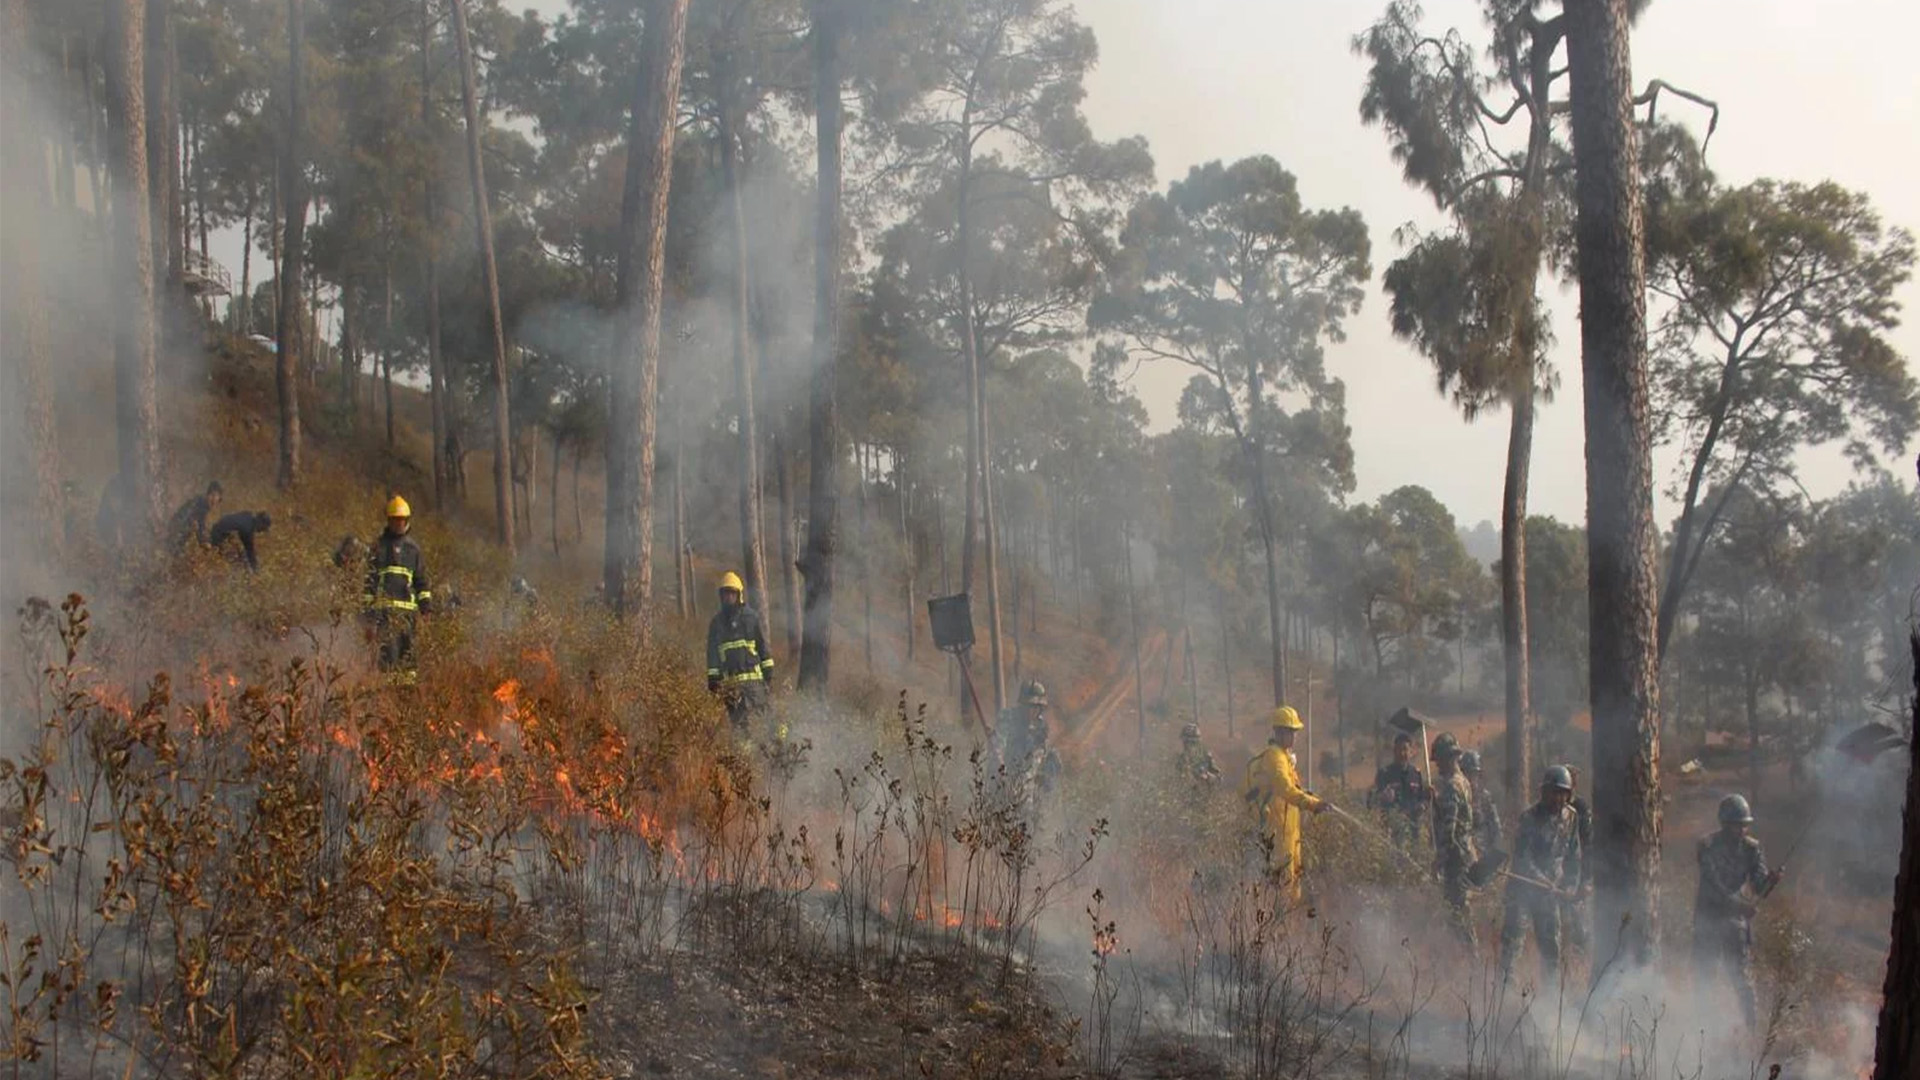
column 1529, row 879
column 1377, row 834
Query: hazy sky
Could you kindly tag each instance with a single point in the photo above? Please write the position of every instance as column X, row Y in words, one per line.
column 1808, row 91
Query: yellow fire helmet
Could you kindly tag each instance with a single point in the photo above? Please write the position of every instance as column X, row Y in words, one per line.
column 397, row 508
column 1285, row 717
column 731, row 580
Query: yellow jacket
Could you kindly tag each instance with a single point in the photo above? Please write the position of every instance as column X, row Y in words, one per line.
column 1274, row 785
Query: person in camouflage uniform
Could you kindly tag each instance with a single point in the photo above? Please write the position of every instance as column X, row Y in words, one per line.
column 1733, row 879
column 1573, row 911
column 1546, row 855
column 1400, row 794
column 1454, row 850
column 1195, row 763
column 1030, row 767
column 1486, row 809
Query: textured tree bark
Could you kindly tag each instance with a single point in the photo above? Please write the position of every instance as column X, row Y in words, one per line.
column 1513, row 598
column 636, row 362
column 1621, row 582
column 1897, row 1045
column 823, row 425
column 293, row 246
column 490, row 274
column 430, row 213
column 163, row 143
column 136, row 408
column 753, row 564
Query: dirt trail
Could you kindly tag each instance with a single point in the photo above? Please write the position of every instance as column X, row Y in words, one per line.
column 1089, row 733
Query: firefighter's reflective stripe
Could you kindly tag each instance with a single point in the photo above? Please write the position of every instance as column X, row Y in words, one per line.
column 749, row 675
column 401, row 603
column 739, row 643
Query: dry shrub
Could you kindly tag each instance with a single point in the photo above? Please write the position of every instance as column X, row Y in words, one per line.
column 242, row 880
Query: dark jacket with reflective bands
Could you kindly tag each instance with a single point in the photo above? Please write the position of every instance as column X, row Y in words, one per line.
column 737, row 646
column 396, row 575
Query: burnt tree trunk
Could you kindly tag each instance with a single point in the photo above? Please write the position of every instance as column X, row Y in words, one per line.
column 1621, row 583
column 1897, row 1046
column 635, row 366
column 823, row 425
column 490, row 275
column 436, row 374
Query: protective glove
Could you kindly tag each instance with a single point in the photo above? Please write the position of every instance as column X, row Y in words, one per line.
column 713, row 685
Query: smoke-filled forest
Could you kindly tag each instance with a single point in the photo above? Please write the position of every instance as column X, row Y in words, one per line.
column 773, row 538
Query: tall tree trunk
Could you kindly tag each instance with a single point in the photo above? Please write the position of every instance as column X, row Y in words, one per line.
column 908, row 563
column 1255, row 446
column 490, row 281
column 35, row 473
column 1750, row 683
column 989, row 530
column 430, row 215
column 1133, row 629
column 823, row 423
column 1513, row 598
column 863, row 454
column 553, row 498
column 386, row 348
column 244, row 323
column 579, row 518
column 684, row 585
column 293, row 245
column 636, row 363
column 789, row 573
column 349, row 349
column 1620, row 529
column 752, row 548
column 135, row 403
column 163, row 148
column 1226, row 665
column 1897, row 1044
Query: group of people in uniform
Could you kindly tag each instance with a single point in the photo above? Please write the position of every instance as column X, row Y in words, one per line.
column 1548, row 872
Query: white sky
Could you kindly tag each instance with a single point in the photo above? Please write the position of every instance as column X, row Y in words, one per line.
column 1807, row 91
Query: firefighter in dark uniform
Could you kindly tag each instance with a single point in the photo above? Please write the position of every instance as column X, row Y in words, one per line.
column 1546, row 859
column 1195, row 763
column 1486, row 809
column 1400, row 794
column 397, row 592
column 1733, row 879
column 1573, row 913
column 1455, row 844
column 189, row 523
column 739, row 663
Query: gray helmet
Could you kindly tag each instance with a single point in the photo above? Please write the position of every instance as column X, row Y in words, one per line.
column 1470, row 761
column 1558, row 777
column 1034, row 693
column 1190, row 733
column 1735, row 811
column 1446, row 746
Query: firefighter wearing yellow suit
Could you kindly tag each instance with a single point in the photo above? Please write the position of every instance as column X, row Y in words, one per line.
column 1273, row 787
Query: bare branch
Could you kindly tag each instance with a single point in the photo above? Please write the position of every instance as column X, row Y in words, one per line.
column 1651, row 99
